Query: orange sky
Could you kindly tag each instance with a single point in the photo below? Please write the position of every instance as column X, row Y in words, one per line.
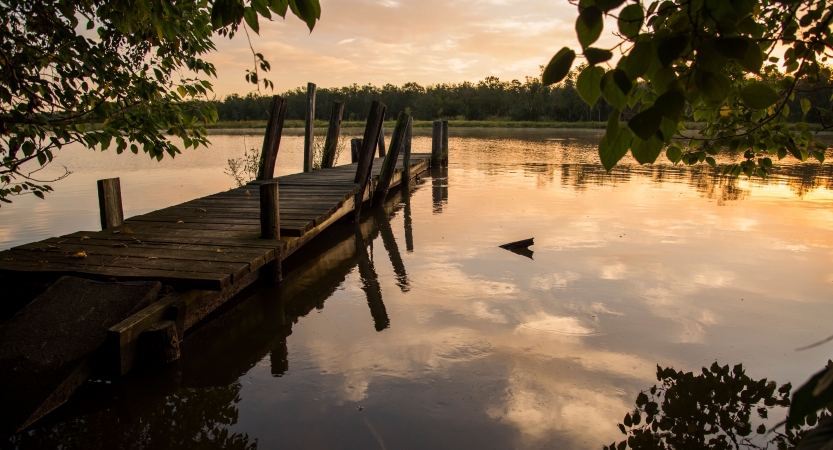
column 397, row 41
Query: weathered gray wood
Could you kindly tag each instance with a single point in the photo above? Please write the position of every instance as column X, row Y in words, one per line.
column 406, row 153
column 159, row 344
column 436, row 143
column 389, row 163
column 309, row 128
column 444, row 154
column 109, row 203
column 272, row 138
column 365, row 163
column 270, row 213
column 382, row 140
column 355, row 149
column 333, row 131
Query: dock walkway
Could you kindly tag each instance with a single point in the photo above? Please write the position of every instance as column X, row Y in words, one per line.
column 210, row 243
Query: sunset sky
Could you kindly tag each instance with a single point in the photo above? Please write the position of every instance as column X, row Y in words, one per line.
column 397, row 41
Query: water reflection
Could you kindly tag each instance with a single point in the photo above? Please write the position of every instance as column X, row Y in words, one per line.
column 439, row 187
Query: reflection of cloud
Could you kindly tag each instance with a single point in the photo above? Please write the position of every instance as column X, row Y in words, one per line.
column 600, row 308
column 614, row 271
column 553, row 281
column 569, row 326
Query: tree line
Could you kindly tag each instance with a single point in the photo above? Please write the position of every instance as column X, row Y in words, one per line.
column 488, row 99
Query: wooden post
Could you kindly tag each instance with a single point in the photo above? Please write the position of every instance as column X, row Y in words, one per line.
column 389, row 164
column 406, row 154
column 436, row 143
column 159, row 343
column 355, row 149
column 109, row 203
column 270, row 220
column 444, row 155
column 309, row 126
column 272, row 138
column 382, row 140
column 333, row 131
column 368, row 150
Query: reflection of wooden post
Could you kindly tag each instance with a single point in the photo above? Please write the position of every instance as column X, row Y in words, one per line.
column 406, row 154
column 355, row 149
column 333, row 131
column 270, row 221
column 409, row 228
column 444, row 154
column 368, row 149
column 309, row 128
column 109, row 203
column 389, row 164
column 436, row 143
column 272, row 138
column 370, row 285
column 382, row 220
column 382, row 140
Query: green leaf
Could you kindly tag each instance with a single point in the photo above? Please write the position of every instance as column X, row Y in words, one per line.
column 639, row 59
column 732, row 48
column 710, row 161
column 251, row 19
column 588, row 84
column 597, row 55
column 307, row 10
column 611, row 152
column 818, row 155
column 607, row 5
column 668, row 128
column 674, row 154
column 714, row 88
column 622, row 81
column 589, row 25
column 559, row 66
column 758, row 96
column 630, row 20
column 646, row 152
column 671, row 105
column 613, row 125
column 279, row 7
column 646, row 123
column 805, row 105
column 611, row 91
column 671, row 49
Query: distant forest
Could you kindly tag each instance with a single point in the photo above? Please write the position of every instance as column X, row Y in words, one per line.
column 489, row 99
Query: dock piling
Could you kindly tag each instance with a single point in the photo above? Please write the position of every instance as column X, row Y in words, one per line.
column 406, row 153
column 333, row 131
column 355, row 149
column 309, row 126
column 272, row 138
column 365, row 163
column 444, row 154
column 382, row 140
column 159, row 344
column 109, row 203
column 436, row 143
column 270, row 221
column 389, row 163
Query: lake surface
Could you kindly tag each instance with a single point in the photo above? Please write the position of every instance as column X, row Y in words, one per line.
column 414, row 330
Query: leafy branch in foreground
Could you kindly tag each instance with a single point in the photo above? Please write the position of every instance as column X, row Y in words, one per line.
column 123, row 73
column 706, row 60
column 721, row 408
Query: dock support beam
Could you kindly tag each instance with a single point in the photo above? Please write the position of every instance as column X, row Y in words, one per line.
column 389, row 164
column 368, row 150
column 436, row 143
column 382, row 139
column 406, row 154
column 309, row 128
column 333, row 131
column 444, row 154
column 109, row 203
column 270, row 228
column 355, row 149
column 272, row 138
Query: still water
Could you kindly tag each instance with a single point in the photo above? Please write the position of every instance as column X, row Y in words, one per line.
column 414, row 330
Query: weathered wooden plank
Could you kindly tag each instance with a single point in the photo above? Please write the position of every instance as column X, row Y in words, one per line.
column 333, row 132
column 365, row 164
column 389, row 164
column 309, row 131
